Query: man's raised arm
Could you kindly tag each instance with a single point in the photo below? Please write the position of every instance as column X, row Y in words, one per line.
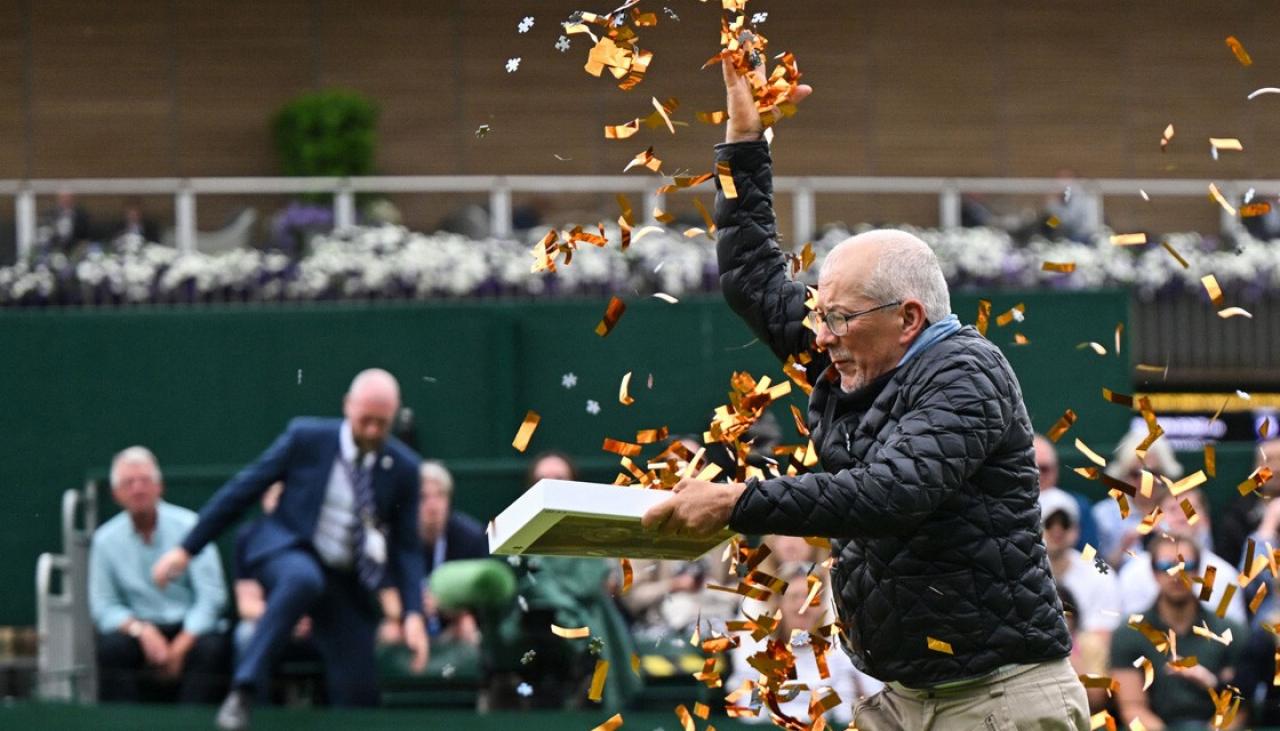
column 753, row 270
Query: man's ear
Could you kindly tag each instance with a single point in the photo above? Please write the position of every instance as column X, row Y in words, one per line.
column 913, row 321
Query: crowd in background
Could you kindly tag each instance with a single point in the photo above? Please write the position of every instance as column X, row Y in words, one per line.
column 1167, row 567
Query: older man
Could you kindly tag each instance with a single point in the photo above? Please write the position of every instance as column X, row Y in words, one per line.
column 346, row 519
column 929, row 483
column 147, row 632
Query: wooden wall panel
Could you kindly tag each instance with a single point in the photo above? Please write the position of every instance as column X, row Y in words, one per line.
column 921, row 87
column 238, row 62
column 100, row 97
column 12, row 95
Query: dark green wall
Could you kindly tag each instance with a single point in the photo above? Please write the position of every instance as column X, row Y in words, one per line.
column 208, row 388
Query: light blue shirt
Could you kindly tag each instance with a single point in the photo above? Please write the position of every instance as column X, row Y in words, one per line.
column 334, row 538
column 120, row 583
column 941, row 330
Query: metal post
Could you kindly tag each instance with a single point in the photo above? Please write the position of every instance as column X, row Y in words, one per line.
column 25, row 219
column 184, row 214
column 1094, row 198
column 653, row 200
column 803, row 215
column 344, row 206
column 500, row 210
column 949, row 207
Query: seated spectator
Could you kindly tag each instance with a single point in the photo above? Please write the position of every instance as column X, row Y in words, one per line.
column 1139, row 586
column 146, row 634
column 135, row 223
column 1095, row 595
column 447, row 535
column 1070, row 214
column 1179, row 697
column 793, row 630
column 1118, row 535
column 1256, row 672
column 67, row 224
column 1089, row 656
column 1047, row 464
column 1245, row 513
column 251, row 599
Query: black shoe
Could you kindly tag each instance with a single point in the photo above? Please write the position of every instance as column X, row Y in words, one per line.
column 234, row 713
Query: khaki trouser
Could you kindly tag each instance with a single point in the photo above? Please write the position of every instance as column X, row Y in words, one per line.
column 1045, row 697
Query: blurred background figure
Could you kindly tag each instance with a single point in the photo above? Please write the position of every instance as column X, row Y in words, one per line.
column 154, row 643
column 251, row 602
column 1178, row 699
column 67, row 223
column 1047, row 465
column 134, row 222
column 795, row 631
column 1118, row 535
column 1246, row 513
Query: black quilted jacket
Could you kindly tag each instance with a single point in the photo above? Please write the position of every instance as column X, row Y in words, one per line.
column 930, row 483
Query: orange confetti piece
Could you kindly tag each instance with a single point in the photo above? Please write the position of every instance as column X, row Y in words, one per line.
column 984, row 316
column 1119, row 332
column 1238, row 49
column 597, row 680
column 1102, row 719
column 612, row 314
column 570, row 633
column 1253, row 210
column 614, row 723
column 525, row 432
column 1020, row 339
column 1190, row 482
column 1226, row 143
column 621, row 131
column 1211, row 460
column 1128, row 239
column 1061, row 426
column 1098, row 681
column 1097, row 347
column 1061, row 267
column 1221, row 199
column 725, row 175
column 649, row 436
column 1166, row 138
column 1013, row 313
column 1177, row 257
column 1227, row 595
column 624, row 449
column 625, row 398
column 1118, row 399
column 645, row 159
column 939, row 646
column 686, row 718
column 712, row 117
column 635, row 663
column 628, row 574
column 711, row 226
column 1092, row 455
column 1210, row 283
column 702, row 710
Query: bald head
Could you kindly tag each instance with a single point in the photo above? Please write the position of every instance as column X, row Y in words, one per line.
column 887, row 265
column 370, row 407
column 1046, row 462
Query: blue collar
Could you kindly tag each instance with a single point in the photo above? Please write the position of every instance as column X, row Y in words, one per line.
column 933, row 334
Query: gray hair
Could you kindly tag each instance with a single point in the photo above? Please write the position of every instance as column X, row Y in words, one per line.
column 134, row 455
column 906, row 268
column 434, row 471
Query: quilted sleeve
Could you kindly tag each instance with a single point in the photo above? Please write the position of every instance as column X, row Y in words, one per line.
column 959, row 418
column 753, row 270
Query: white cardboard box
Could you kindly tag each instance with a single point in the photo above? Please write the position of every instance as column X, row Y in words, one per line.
column 587, row 519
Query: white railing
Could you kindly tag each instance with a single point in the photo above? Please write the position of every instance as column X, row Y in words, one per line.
column 500, row 188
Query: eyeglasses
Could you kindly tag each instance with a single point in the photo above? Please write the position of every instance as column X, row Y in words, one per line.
column 1168, row 564
column 838, row 323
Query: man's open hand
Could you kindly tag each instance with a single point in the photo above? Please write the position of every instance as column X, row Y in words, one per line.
column 697, row 509
column 744, row 123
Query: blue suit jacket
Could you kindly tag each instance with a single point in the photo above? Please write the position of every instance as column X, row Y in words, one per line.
column 302, row 457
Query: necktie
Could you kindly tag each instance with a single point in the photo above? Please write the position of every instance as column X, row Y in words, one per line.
column 368, row 570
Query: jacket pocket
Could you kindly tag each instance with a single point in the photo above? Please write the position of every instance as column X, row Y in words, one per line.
column 942, row 607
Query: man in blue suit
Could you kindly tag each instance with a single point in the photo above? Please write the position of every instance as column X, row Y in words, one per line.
column 347, row 518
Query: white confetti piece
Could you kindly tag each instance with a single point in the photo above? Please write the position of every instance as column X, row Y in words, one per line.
column 525, row 24
column 299, row 376
column 1243, row 395
column 593, row 407
column 759, row 18
column 569, row 380
column 562, row 44
column 1144, row 195
column 1264, row 90
column 666, row 298
column 525, row 690
column 513, row 64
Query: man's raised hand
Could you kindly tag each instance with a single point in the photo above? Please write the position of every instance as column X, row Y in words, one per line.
column 744, row 123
